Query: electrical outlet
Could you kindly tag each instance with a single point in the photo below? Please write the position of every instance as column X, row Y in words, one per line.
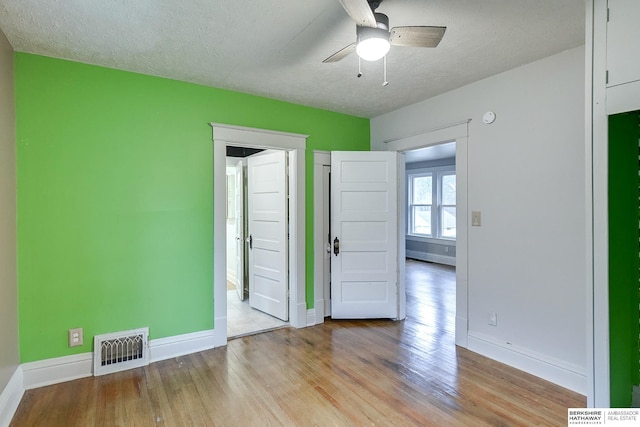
column 493, row 319
column 76, row 337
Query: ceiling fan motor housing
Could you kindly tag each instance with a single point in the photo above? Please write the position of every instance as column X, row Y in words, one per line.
column 381, row 31
column 374, row 4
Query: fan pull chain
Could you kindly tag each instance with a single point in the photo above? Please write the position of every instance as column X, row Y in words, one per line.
column 384, row 65
column 359, row 67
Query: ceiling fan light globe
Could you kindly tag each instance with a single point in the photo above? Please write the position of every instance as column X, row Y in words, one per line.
column 372, row 49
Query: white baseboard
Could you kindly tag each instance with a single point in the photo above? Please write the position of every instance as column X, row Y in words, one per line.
column 561, row 373
column 179, row 345
column 67, row 368
column 220, row 331
column 301, row 310
column 462, row 336
column 318, row 312
column 57, row 370
column 439, row 259
column 10, row 397
column 312, row 317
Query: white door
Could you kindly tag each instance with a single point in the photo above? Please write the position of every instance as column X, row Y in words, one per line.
column 364, row 264
column 239, row 206
column 268, row 236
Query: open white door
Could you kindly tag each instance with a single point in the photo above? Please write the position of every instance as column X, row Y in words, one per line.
column 364, row 264
column 268, row 249
column 239, row 206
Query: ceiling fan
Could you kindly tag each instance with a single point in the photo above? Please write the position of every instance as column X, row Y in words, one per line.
column 374, row 39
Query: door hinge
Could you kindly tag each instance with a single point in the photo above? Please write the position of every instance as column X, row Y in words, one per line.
column 606, row 77
column 608, row 10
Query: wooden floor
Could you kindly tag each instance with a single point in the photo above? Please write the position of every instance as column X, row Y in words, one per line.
column 340, row 373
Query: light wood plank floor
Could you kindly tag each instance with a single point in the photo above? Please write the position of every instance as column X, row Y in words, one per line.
column 340, row 373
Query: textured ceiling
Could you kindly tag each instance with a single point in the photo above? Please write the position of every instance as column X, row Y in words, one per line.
column 275, row 48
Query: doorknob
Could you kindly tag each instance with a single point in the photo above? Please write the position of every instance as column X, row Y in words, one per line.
column 250, row 241
column 336, row 246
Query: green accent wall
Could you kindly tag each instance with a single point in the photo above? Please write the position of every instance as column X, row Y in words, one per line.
column 624, row 134
column 115, row 197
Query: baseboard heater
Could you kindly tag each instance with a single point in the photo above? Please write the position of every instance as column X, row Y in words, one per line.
column 120, row 351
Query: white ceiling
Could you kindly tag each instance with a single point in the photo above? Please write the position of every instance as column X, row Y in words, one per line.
column 275, row 48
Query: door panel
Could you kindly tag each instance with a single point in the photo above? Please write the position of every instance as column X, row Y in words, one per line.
column 268, row 248
column 364, row 221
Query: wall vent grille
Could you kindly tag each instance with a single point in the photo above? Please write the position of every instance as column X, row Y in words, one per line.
column 120, row 351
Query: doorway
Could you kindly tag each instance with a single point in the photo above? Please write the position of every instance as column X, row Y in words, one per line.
column 456, row 133
column 295, row 144
column 439, row 138
column 357, row 258
column 244, row 316
column 431, row 203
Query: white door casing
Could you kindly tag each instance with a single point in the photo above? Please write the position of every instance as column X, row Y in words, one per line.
column 239, row 207
column 326, row 233
column 321, row 214
column 268, row 240
column 224, row 135
column 364, row 263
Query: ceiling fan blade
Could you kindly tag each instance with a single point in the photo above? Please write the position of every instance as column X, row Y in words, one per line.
column 360, row 11
column 341, row 53
column 417, row 36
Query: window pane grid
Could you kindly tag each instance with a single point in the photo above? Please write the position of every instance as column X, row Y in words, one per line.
column 421, row 190
column 426, row 190
column 421, row 219
column 448, row 222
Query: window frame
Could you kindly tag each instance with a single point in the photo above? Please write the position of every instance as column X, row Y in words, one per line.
column 411, row 205
column 436, row 202
column 442, row 206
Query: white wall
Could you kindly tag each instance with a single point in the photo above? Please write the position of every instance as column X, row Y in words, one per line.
column 526, row 176
column 8, row 283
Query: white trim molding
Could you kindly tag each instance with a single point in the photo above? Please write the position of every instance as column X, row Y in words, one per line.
column 433, row 136
column 597, row 214
column 320, row 211
column 10, row 397
column 179, row 345
column 558, row 372
column 57, row 370
column 311, row 317
column 67, row 368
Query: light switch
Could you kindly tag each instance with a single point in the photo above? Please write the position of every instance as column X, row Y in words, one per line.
column 476, row 218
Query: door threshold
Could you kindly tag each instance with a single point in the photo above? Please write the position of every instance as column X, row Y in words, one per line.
column 246, row 334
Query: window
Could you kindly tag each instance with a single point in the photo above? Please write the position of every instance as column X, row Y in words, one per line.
column 421, row 196
column 448, row 205
column 432, row 203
